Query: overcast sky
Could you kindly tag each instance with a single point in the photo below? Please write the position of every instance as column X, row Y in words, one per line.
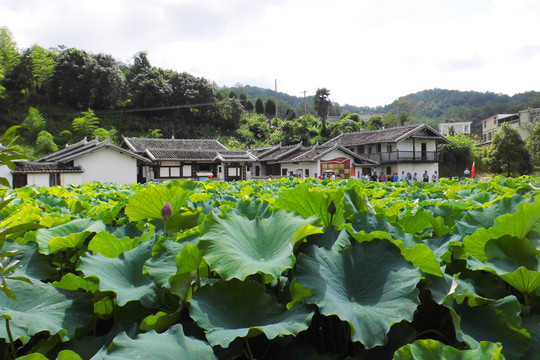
column 366, row 52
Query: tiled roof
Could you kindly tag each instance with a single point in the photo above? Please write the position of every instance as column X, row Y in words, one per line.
column 77, row 150
column 140, row 145
column 313, row 153
column 388, row 135
column 235, row 155
column 201, row 155
column 45, row 167
column 279, row 152
column 181, row 154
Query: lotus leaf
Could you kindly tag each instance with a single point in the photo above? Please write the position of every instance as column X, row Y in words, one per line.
column 308, row 203
column 123, row 275
column 499, row 321
column 42, row 307
column 371, row 286
column 170, row 345
column 147, row 203
column 231, row 309
column 236, row 247
column 69, row 235
column 432, row 349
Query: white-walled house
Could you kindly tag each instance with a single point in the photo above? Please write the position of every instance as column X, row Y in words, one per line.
column 311, row 161
column 411, row 148
column 197, row 159
column 80, row 163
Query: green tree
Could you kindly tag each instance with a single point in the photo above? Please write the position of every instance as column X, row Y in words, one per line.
column 533, row 144
column 322, row 103
column 249, row 106
column 74, row 78
column 402, row 109
column 508, row 153
column 43, row 66
column 33, row 124
column 270, row 108
column 375, row 122
column 259, row 106
column 45, row 143
column 457, row 155
column 9, row 56
column 154, row 134
column 85, row 125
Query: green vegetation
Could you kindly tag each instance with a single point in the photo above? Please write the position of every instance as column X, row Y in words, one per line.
column 356, row 270
column 53, row 89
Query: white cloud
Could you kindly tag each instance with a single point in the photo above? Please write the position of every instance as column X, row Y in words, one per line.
column 365, row 52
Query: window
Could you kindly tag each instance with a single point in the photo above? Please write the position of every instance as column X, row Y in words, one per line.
column 378, row 148
column 389, row 148
column 307, row 172
column 54, row 179
column 284, row 172
column 219, row 169
column 388, row 170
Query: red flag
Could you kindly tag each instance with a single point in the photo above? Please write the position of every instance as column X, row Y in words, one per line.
column 473, row 170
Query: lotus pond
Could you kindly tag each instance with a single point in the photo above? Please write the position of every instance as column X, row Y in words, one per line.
column 282, row 269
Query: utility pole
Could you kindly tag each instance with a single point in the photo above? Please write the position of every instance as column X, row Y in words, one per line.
column 276, row 114
column 305, row 104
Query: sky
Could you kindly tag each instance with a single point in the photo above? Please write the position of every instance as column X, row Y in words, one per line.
column 365, row 52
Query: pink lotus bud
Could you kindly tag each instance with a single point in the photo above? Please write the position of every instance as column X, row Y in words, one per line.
column 166, row 210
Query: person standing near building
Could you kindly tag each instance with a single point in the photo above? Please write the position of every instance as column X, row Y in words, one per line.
column 434, row 177
column 426, row 176
column 382, row 177
column 467, row 173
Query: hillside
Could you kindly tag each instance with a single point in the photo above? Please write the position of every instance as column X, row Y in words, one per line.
column 434, row 105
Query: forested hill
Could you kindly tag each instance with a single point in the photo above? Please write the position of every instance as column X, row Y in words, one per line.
column 434, row 105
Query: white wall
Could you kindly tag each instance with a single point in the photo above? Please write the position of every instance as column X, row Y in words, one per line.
column 108, row 165
column 6, row 173
column 41, row 179
column 71, row 178
column 407, row 145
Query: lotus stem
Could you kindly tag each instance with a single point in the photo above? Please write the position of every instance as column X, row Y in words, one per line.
column 249, row 352
column 11, row 342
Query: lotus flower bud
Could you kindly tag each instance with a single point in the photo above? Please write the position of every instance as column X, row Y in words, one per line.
column 332, row 208
column 166, row 210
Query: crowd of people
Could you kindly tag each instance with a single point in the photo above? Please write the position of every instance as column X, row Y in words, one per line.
column 381, row 177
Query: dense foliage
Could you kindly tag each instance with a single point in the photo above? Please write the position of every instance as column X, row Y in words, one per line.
column 276, row 269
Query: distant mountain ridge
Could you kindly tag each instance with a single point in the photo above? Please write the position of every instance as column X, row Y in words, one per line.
column 434, row 105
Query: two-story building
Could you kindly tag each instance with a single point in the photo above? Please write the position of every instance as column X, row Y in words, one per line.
column 522, row 121
column 411, row 148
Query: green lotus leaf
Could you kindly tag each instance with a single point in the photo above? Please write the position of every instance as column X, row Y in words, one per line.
column 517, row 225
column 448, row 289
column 88, row 346
column 123, row 275
column 421, row 222
column 532, row 325
column 307, row 202
column 159, row 322
column 147, row 203
column 499, row 321
column 432, row 349
column 355, row 200
column 366, row 227
column 31, row 263
column 231, row 309
column 371, row 286
column 485, row 217
column 236, row 247
column 523, row 279
column 170, row 345
column 254, row 208
column 184, row 219
column 109, row 245
column 42, row 307
column 65, row 236
column 73, row 282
